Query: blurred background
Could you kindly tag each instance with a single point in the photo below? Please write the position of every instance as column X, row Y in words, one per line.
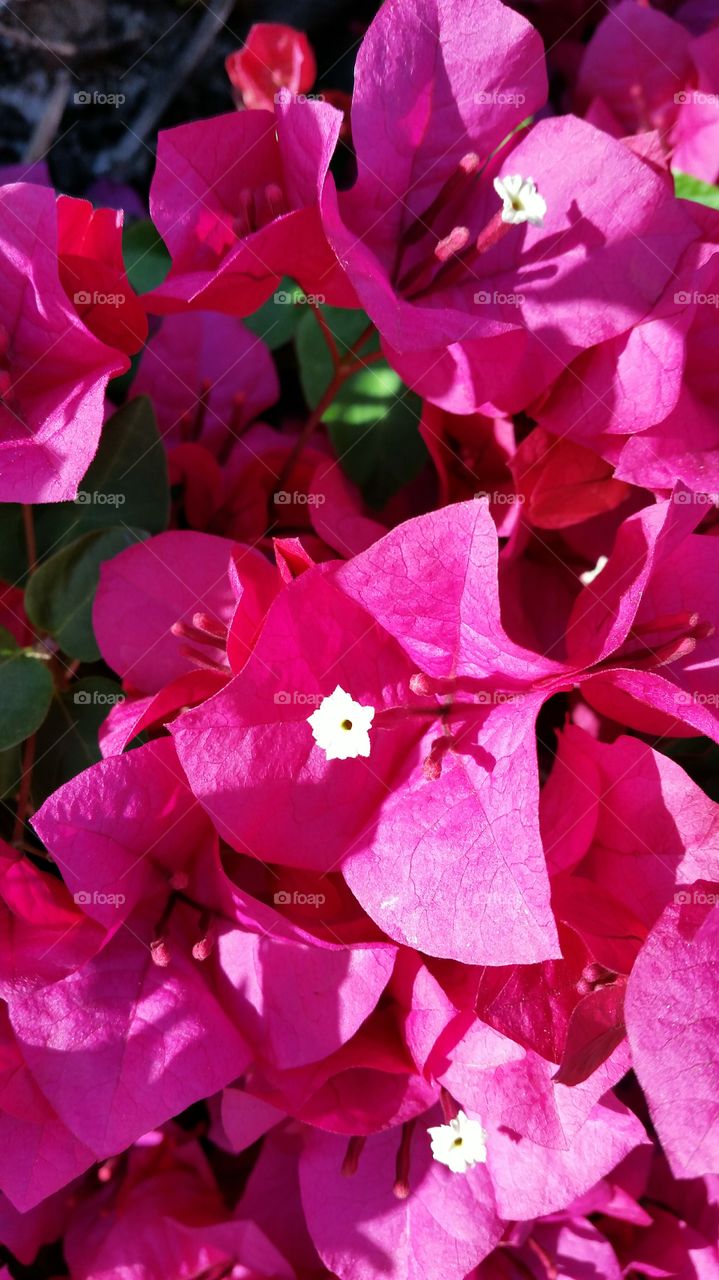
column 86, row 84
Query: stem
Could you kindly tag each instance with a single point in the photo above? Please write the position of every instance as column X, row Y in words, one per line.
column 327, row 334
column 343, row 370
column 30, row 540
column 23, row 798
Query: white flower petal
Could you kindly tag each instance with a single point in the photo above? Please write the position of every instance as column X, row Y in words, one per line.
column 340, row 726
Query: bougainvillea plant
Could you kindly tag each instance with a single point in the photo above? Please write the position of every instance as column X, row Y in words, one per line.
column 359, row 670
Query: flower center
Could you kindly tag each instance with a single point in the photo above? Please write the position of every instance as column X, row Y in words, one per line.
column 441, row 248
column 340, row 726
column 460, row 1144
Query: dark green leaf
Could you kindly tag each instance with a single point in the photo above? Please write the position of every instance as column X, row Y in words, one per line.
column 277, row 319
column 13, row 552
column 126, row 483
column 8, row 643
column 67, row 743
column 374, row 428
column 60, row 593
column 25, row 693
column 690, row 188
column 147, row 260
column 313, row 354
column 373, row 422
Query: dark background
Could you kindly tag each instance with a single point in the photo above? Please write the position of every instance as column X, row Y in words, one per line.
column 165, row 56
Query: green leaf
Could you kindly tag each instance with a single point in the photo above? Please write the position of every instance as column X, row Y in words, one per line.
column 689, row 188
column 13, row 551
column 374, row 428
column 373, row 422
column 147, row 260
column 8, row 643
column 313, row 354
column 25, row 692
column 126, row 484
column 60, row 593
column 277, row 319
column 67, row 743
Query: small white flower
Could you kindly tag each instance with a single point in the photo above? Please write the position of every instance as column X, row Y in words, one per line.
column 522, row 201
column 340, row 726
column 459, row 1144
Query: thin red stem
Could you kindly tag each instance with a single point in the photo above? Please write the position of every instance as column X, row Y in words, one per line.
column 23, row 798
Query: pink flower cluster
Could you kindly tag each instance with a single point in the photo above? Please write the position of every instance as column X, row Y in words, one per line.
column 382, row 943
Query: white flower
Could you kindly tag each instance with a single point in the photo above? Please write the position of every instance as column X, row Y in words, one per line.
column 340, row 726
column 459, row 1144
column 522, row 201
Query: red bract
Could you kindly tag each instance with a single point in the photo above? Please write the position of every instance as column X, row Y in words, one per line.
column 274, row 56
column 53, row 371
column 93, row 275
